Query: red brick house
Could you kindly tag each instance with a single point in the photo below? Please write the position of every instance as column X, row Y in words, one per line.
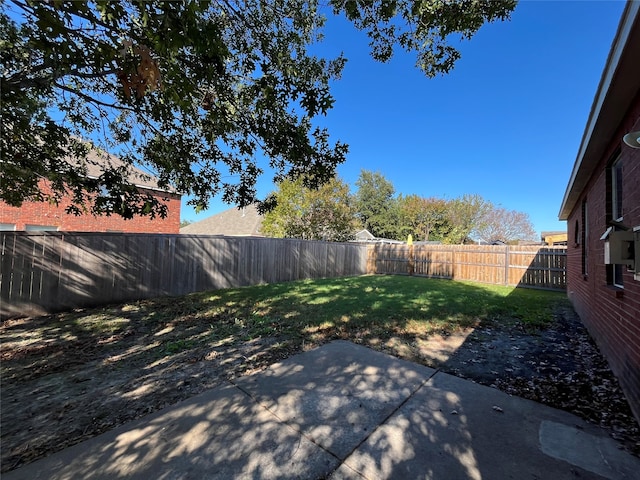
column 40, row 216
column 602, row 206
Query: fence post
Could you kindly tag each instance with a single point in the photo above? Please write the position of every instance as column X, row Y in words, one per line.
column 453, row 261
column 411, row 260
column 506, row 265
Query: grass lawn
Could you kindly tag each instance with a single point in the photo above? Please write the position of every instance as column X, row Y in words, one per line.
column 78, row 374
column 370, row 309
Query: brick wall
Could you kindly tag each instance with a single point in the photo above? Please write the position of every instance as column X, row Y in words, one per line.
column 612, row 315
column 44, row 213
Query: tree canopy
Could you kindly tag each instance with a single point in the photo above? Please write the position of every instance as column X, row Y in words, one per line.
column 375, row 205
column 425, row 219
column 331, row 212
column 324, row 213
column 194, row 91
column 501, row 225
column 455, row 221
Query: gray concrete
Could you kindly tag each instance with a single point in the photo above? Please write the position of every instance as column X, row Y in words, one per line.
column 346, row 412
column 219, row 434
column 338, row 394
column 451, row 430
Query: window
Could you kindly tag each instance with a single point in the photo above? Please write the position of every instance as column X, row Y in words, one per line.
column 616, row 191
column 615, row 275
column 584, row 239
column 40, row 228
column 7, row 227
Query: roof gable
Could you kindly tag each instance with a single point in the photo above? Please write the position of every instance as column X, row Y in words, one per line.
column 232, row 222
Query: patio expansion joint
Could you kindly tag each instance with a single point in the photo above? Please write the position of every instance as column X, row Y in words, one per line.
column 284, row 422
column 385, row 420
column 315, row 442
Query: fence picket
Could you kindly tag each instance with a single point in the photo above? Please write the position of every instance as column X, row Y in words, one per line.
column 522, row 266
column 52, row 271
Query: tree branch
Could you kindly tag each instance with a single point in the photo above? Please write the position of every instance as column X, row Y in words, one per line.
column 95, row 101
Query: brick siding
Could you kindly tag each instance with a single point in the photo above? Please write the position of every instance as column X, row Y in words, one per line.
column 612, row 315
column 44, row 213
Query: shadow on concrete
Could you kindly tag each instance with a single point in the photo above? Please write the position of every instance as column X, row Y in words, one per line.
column 344, row 411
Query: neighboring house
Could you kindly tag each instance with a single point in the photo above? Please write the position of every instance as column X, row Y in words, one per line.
column 234, row 222
column 603, row 198
column 554, row 238
column 45, row 216
column 364, row 236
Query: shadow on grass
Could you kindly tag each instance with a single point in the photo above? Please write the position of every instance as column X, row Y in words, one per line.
column 70, row 376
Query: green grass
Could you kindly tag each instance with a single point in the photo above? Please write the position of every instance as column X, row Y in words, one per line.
column 379, row 306
column 378, row 302
column 374, row 310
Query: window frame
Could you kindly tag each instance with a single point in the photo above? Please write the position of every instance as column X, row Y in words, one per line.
column 41, row 228
column 584, row 238
column 615, row 196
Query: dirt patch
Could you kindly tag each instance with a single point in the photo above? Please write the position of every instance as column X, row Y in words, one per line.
column 68, row 383
column 61, row 390
column 559, row 366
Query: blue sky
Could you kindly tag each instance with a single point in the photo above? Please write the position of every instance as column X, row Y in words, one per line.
column 506, row 123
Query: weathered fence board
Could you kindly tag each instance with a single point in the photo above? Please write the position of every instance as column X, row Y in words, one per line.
column 45, row 272
column 522, row 266
column 51, row 271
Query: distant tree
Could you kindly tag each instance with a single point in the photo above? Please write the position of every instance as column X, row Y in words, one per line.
column 500, row 224
column 324, row 213
column 374, row 204
column 184, row 223
column 193, row 91
column 424, row 218
column 464, row 215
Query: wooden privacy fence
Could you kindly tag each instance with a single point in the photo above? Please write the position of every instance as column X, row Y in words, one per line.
column 522, row 266
column 54, row 271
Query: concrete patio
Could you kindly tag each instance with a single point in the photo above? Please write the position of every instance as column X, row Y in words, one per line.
column 343, row 411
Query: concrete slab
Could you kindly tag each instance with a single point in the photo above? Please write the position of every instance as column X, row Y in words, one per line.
column 450, row 430
column 220, row 434
column 385, row 417
column 337, row 394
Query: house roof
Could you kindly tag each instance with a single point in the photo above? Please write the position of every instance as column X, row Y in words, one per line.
column 619, row 85
column 98, row 159
column 237, row 222
column 364, row 234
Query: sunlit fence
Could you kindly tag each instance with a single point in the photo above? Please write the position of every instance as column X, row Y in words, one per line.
column 522, row 266
column 53, row 271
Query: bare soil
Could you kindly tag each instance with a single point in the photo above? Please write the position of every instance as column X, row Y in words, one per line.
column 560, row 366
column 70, row 384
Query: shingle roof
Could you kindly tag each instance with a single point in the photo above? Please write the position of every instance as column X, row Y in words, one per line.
column 237, row 222
column 97, row 160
